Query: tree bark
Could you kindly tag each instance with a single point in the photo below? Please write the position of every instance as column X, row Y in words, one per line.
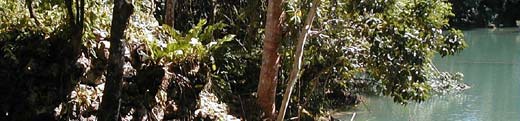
column 31, row 12
column 76, row 23
column 169, row 17
column 298, row 56
column 270, row 59
column 109, row 108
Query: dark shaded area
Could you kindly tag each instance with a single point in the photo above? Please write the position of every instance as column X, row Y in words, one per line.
column 485, row 13
column 38, row 76
column 238, row 63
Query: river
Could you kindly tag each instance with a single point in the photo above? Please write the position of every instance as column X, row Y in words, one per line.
column 491, row 66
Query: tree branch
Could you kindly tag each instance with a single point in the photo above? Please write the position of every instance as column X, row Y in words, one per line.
column 31, row 12
column 298, row 58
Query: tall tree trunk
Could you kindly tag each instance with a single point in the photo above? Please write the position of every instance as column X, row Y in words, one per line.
column 270, row 59
column 109, row 109
column 298, row 56
column 169, row 17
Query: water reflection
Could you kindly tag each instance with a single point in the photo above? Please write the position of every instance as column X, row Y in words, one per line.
column 491, row 65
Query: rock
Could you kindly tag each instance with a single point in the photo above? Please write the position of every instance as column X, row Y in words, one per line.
column 100, row 34
column 92, row 78
column 491, row 25
column 128, row 70
column 210, row 108
column 518, row 24
column 83, row 63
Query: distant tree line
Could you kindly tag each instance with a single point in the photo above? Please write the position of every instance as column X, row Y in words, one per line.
column 482, row 13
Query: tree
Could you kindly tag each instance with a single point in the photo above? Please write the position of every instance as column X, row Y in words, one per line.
column 270, row 59
column 76, row 21
column 109, row 108
column 169, row 18
column 298, row 56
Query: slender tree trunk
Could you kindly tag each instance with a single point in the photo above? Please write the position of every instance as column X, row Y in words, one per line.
column 298, row 56
column 109, row 109
column 169, row 17
column 31, row 12
column 78, row 27
column 76, row 23
column 270, row 59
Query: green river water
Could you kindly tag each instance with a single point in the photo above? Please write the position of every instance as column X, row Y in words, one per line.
column 491, row 66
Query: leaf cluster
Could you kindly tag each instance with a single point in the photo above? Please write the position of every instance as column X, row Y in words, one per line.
column 386, row 43
column 198, row 42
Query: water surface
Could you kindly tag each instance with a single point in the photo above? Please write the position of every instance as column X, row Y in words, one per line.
column 491, row 66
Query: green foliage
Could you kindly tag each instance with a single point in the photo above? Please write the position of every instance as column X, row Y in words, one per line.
column 444, row 82
column 98, row 16
column 178, row 47
column 14, row 15
column 403, row 36
column 374, row 45
column 355, row 46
